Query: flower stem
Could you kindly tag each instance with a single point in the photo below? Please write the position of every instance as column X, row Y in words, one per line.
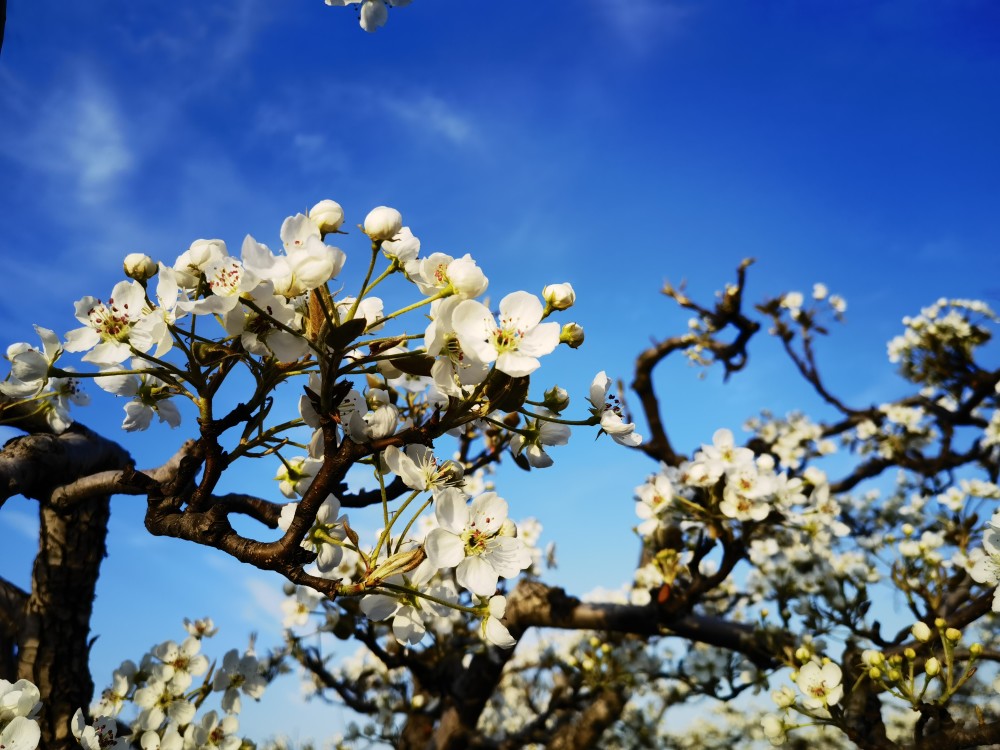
column 376, row 246
column 579, row 422
column 444, row 602
column 440, row 295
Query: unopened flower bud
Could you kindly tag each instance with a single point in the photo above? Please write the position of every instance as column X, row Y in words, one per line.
column 774, row 729
column 383, row 223
column 895, row 675
column 909, row 653
column 572, row 335
column 594, row 641
column 783, row 697
column 872, row 658
column 875, row 673
column 401, row 562
column 803, row 654
column 940, row 623
column 907, row 529
column 587, row 664
column 327, row 215
column 953, row 634
column 921, row 632
column 559, row 296
column 556, row 399
column 139, row 266
column 508, row 528
column 976, row 649
column 932, row 667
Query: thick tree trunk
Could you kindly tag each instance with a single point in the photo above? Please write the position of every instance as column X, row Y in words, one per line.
column 585, row 731
column 50, row 625
column 54, row 645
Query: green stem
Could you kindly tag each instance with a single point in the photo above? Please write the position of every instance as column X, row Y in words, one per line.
column 416, row 515
column 376, row 246
column 578, row 422
column 381, row 277
column 444, row 602
column 426, row 301
column 508, row 428
column 327, row 539
column 248, row 444
column 387, row 534
column 385, row 507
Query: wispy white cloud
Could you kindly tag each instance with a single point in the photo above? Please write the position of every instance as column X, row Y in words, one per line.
column 944, row 249
column 206, row 41
column 432, row 115
column 262, row 607
column 96, row 147
column 256, row 595
column 23, row 523
column 641, row 25
column 76, row 137
column 421, row 115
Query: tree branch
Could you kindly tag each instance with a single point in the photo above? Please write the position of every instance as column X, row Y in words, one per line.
column 32, row 465
column 533, row 604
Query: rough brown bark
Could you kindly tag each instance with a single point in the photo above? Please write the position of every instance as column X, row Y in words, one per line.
column 12, row 604
column 586, row 732
column 54, row 645
column 50, row 625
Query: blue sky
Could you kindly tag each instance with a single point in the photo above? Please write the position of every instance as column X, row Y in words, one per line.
column 612, row 145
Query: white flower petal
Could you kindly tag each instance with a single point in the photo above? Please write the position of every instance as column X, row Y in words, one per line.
column 477, row 575
column 444, row 549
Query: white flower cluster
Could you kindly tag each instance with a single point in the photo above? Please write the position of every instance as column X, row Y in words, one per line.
column 162, row 689
column 19, row 705
column 794, row 303
column 897, row 429
column 445, row 565
column 792, row 439
column 938, row 340
column 275, row 315
column 730, row 484
column 275, row 307
column 986, row 567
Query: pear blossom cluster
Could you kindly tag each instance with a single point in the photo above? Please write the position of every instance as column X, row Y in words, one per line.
column 810, row 551
column 166, row 691
column 794, row 302
column 19, row 705
column 167, row 336
column 427, row 394
column 808, row 554
column 940, row 338
column 422, row 595
column 448, row 563
column 986, row 567
column 792, row 439
column 730, row 483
